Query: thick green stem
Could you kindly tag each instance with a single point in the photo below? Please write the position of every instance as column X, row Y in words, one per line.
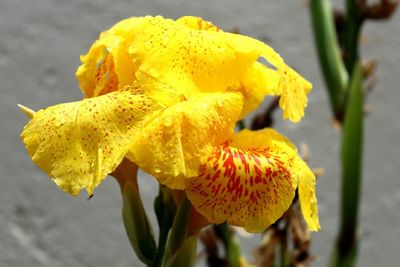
column 351, row 34
column 165, row 209
column 351, row 155
column 334, row 71
column 181, row 248
column 137, row 225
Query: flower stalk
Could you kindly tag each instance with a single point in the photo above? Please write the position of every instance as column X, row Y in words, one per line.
column 333, row 68
column 137, row 225
column 165, row 209
column 351, row 34
column 351, row 158
column 347, row 105
column 181, row 248
column 349, row 110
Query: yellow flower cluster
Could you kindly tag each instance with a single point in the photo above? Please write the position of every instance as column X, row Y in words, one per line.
column 166, row 95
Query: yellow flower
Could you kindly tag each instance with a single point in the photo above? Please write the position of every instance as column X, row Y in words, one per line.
column 166, row 95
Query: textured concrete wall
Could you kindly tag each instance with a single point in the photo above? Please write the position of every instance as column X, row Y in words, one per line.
column 40, row 44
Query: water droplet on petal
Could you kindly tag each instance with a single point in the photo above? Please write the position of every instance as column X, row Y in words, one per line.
column 147, row 44
column 168, row 121
column 179, row 109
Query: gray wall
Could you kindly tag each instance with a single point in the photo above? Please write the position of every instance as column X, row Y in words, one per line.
column 40, row 44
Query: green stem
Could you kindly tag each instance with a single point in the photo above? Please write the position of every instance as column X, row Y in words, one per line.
column 284, row 252
column 165, row 209
column 334, row 71
column 351, row 156
column 181, row 248
column 137, row 225
column 351, row 34
column 179, row 229
column 231, row 244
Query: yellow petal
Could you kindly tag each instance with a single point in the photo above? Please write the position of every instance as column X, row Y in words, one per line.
column 77, row 144
column 293, row 99
column 244, row 263
column 200, row 57
column 197, row 23
column 247, row 182
column 173, row 142
column 106, row 67
column 176, row 56
column 258, row 82
column 308, row 199
column 292, row 88
column 174, row 59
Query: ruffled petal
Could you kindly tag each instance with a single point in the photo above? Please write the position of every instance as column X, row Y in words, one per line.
column 292, row 88
column 173, row 142
column 171, row 60
column 107, row 66
column 198, row 23
column 179, row 58
column 307, row 196
column 200, row 57
column 258, row 82
column 247, row 182
column 77, row 144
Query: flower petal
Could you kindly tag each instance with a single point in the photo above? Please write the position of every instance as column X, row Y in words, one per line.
column 258, row 82
column 174, row 59
column 292, row 88
column 107, row 66
column 308, row 199
column 197, row 23
column 184, row 59
column 248, row 182
column 77, row 144
column 174, row 142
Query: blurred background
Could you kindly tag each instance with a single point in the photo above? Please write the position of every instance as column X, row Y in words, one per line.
column 40, row 44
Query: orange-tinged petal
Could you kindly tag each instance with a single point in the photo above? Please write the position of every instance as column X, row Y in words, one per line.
column 247, row 182
column 77, row 144
column 173, row 142
column 107, row 66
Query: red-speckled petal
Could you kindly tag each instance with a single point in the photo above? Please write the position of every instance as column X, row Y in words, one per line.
column 77, row 144
column 174, row 142
column 107, row 66
column 247, row 182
